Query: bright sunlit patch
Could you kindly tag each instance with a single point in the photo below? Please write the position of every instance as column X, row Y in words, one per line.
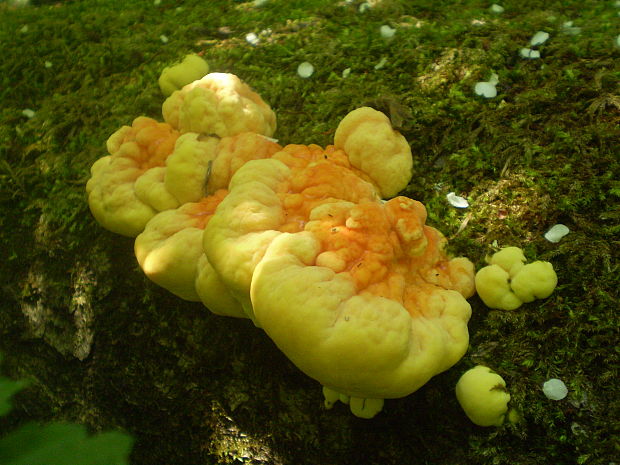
column 28, row 113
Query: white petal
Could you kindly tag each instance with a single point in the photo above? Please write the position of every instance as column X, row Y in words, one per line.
column 164, row 39
column 485, row 89
column 556, row 233
column 555, row 389
column 495, row 8
column 539, row 38
column 381, row 63
column 456, row 201
column 568, row 28
column 494, row 79
column 252, row 39
column 529, row 53
column 305, row 70
column 28, row 113
column 346, row 72
column 364, row 7
column 387, row 32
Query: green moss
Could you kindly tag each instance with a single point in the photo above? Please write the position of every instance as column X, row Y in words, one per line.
column 544, row 151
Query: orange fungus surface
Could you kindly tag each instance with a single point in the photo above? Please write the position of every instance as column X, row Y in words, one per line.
column 386, row 249
column 313, row 171
column 202, row 211
column 146, row 142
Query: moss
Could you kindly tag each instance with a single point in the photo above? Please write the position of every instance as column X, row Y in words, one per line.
column 197, row 388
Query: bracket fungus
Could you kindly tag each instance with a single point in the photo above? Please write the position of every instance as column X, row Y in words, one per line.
column 379, row 308
column 155, row 166
column 358, row 292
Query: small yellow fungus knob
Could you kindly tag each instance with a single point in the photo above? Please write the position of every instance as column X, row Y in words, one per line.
column 175, row 77
column 483, row 396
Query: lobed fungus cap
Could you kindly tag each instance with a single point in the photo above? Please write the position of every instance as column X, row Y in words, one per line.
column 373, row 146
column 175, row 77
column 483, row 396
column 219, row 104
column 510, row 259
column 233, row 153
column 535, row 280
column 270, row 196
column 187, row 168
column 493, row 287
column 169, row 248
column 364, row 300
column 126, row 188
column 201, row 165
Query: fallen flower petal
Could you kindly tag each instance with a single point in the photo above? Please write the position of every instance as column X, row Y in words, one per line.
column 387, row 32
column 305, row 70
column 456, row 201
column 529, row 53
column 539, row 38
column 252, row 39
column 555, row 389
column 556, row 233
column 485, row 89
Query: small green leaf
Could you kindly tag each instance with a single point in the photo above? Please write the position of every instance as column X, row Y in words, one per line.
column 63, row 444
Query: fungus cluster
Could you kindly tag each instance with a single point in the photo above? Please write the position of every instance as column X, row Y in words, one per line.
column 508, row 282
column 357, row 291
